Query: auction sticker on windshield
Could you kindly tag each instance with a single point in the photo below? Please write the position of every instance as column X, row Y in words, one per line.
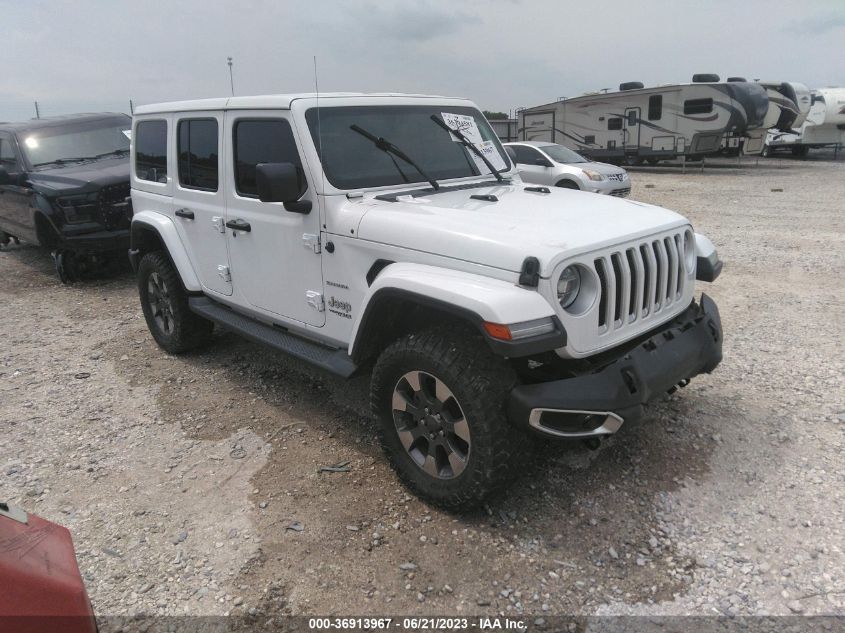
column 492, row 154
column 463, row 123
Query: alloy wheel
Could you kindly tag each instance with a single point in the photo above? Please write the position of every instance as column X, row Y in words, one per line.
column 431, row 424
column 160, row 303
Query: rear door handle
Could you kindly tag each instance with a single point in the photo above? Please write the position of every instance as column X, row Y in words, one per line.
column 185, row 213
column 239, row 225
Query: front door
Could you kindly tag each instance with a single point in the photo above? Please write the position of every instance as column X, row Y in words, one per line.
column 631, row 123
column 199, row 196
column 532, row 165
column 274, row 253
column 15, row 216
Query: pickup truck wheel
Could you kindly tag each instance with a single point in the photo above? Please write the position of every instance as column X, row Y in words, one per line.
column 165, row 306
column 440, row 397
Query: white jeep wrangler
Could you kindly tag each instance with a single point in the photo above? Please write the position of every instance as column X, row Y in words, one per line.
column 391, row 234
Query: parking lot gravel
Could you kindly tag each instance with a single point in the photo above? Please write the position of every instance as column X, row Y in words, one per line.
column 196, row 484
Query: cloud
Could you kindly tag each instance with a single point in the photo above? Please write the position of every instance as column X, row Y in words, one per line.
column 818, row 24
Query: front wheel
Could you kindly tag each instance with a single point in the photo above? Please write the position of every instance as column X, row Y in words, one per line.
column 165, row 306
column 440, row 397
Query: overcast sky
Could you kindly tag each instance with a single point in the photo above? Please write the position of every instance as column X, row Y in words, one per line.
column 89, row 55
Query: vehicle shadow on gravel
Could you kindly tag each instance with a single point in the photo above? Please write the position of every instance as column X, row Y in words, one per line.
column 42, row 270
column 577, row 528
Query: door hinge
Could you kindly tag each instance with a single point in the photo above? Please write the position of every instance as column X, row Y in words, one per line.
column 219, row 223
column 311, row 242
column 224, row 273
column 315, row 300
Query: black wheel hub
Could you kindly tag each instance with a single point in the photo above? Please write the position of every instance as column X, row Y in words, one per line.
column 161, row 307
column 431, row 425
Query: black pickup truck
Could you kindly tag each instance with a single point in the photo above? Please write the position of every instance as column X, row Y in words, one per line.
column 64, row 184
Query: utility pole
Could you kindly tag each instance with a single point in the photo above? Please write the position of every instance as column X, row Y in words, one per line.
column 37, row 113
column 231, row 80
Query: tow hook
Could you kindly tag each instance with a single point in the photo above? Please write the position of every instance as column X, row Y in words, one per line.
column 592, row 443
column 680, row 385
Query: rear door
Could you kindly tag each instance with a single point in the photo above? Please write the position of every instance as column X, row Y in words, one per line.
column 276, row 265
column 199, row 197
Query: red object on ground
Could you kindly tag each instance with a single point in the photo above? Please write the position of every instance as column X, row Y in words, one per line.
column 40, row 585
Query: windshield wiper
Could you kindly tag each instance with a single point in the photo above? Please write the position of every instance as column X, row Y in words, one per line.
column 389, row 148
column 63, row 161
column 116, row 152
column 468, row 144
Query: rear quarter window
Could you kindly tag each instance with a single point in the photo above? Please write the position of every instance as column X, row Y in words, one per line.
column 150, row 141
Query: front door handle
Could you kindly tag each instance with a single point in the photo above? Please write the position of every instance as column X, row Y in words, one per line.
column 239, row 225
column 185, row 213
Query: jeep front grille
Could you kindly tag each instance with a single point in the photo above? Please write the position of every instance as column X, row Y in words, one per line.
column 640, row 281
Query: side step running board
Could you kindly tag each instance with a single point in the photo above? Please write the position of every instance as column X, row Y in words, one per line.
column 336, row 361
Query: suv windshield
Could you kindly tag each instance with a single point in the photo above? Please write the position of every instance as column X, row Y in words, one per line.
column 351, row 161
column 77, row 141
column 561, row 154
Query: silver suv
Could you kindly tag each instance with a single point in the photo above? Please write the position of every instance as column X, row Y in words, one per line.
column 543, row 163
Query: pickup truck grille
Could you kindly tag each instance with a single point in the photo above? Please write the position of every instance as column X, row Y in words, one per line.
column 638, row 285
column 640, row 281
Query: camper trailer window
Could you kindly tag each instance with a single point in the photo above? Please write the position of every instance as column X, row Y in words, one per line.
column 698, row 106
column 655, row 107
column 614, row 123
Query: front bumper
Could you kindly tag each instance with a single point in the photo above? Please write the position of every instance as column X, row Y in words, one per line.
column 598, row 403
column 96, row 242
column 618, row 188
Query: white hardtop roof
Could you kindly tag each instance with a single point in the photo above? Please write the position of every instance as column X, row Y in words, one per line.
column 276, row 102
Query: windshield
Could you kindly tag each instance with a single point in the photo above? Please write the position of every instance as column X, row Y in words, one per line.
column 561, row 154
column 76, row 141
column 351, row 161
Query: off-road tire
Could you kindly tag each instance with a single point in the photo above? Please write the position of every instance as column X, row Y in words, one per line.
column 188, row 330
column 480, row 382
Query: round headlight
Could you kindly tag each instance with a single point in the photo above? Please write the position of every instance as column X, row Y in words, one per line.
column 689, row 252
column 568, row 285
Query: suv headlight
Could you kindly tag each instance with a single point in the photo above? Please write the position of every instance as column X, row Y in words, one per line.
column 568, row 285
column 592, row 175
column 689, row 252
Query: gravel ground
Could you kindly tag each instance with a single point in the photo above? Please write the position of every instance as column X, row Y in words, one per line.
column 191, row 484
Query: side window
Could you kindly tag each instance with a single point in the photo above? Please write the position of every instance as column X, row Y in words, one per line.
column 698, row 106
column 197, row 149
column 263, row 141
column 526, row 155
column 655, row 107
column 8, row 159
column 632, row 118
column 614, row 123
column 151, row 151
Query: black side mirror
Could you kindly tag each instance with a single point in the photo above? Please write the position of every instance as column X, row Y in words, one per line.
column 542, row 162
column 280, row 182
column 5, row 178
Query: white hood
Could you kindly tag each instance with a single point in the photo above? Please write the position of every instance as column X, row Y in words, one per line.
column 550, row 227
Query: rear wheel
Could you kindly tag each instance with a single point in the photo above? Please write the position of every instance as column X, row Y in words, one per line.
column 440, row 397
column 165, row 306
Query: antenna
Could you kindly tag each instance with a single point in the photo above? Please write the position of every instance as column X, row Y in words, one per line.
column 37, row 111
column 231, row 80
column 131, row 107
column 319, row 129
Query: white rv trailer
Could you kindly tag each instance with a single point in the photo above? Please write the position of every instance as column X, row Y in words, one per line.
column 789, row 103
column 637, row 123
column 824, row 125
